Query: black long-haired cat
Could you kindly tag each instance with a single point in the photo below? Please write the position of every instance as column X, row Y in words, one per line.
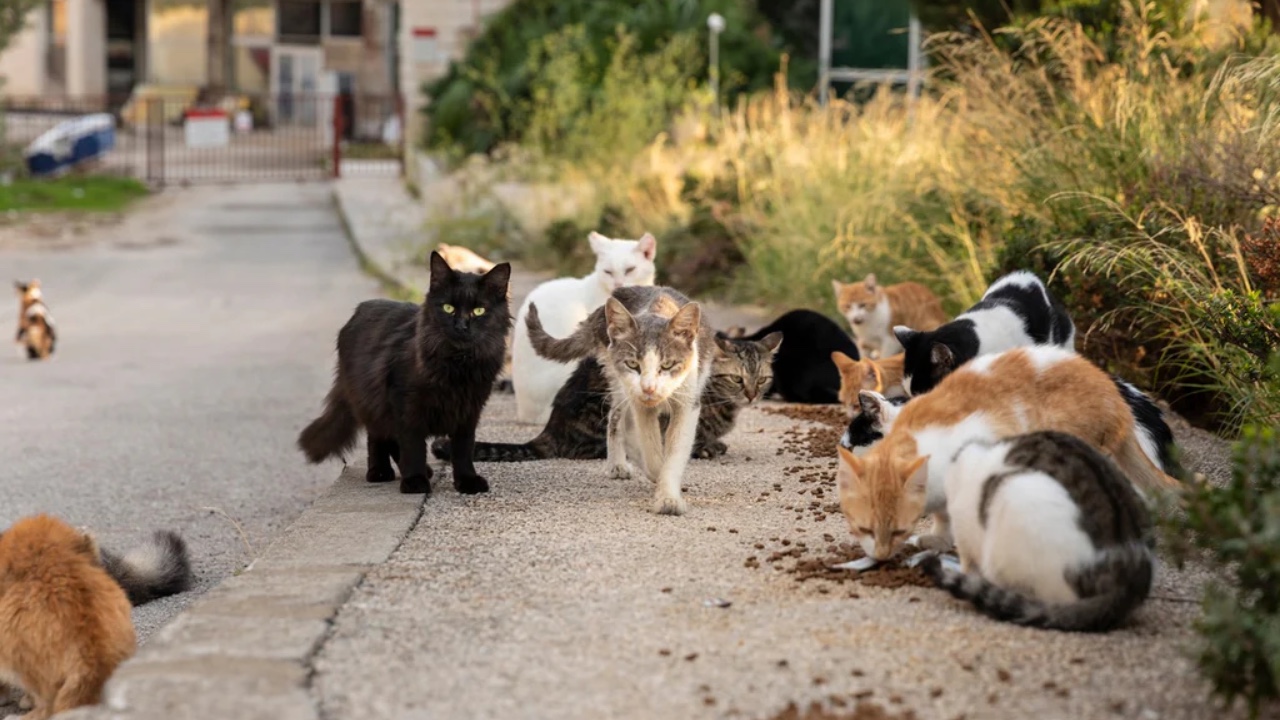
column 408, row 372
column 802, row 368
column 576, row 429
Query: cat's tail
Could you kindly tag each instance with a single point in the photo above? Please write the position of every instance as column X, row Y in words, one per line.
column 156, row 569
column 1117, row 582
column 539, row 448
column 333, row 433
column 1140, row 468
column 579, row 345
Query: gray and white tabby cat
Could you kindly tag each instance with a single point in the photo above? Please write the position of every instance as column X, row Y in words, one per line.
column 657, row 351
column 580, row 414
column 1049, row 532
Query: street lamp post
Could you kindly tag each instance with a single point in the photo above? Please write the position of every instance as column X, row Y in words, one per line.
column 715, row 22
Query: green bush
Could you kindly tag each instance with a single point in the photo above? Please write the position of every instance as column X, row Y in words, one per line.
column 541, row 58
column 1236, row 528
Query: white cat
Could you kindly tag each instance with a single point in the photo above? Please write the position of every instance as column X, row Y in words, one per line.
column 562, row 304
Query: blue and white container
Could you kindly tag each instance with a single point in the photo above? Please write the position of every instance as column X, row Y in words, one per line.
column 70, row 143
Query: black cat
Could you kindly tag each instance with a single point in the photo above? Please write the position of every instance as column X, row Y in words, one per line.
column 802, row 368
column 408, row 372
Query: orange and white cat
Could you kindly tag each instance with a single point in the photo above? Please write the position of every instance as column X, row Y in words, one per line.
column 873, row 310
column 885, row 492
column 65, row 625
column 35, row 324
column 463, row 259
column 880, row 376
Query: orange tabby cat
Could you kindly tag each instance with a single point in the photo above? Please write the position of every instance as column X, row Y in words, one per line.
column 886, row 491
column 882, row 376
column 873, row 310
column 64, row 623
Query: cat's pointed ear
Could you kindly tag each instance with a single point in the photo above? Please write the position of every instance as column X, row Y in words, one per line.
column 772, row 341
column 904, row 334
column 598, row 242
column 941, row 357
column 440, row 270
column 724, row 343
column 845, row 364
column 915, row 475
column 869, row 402
column 836, row 287
column 686, row 323
column 617, row 319
column 850, row 470
column 497, row 280
column 647, row 246
column 870, row 281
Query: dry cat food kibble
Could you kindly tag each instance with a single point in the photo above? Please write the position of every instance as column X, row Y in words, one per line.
column 862, row 711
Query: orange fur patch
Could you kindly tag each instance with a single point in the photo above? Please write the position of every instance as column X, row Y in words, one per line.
column 66, row 624
column 883, row 376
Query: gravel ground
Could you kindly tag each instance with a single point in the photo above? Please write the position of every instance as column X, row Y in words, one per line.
column 560, row 595
column 196, row 339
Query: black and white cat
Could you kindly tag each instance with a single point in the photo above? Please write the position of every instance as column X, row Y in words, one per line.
column 868, row 426
column 1016, row 311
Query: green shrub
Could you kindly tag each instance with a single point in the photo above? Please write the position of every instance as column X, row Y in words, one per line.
column 1236, row 529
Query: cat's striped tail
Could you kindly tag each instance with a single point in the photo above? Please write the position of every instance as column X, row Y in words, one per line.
column 1111, row 587
column 579, row 345
column 333, row 433
column 536, row 449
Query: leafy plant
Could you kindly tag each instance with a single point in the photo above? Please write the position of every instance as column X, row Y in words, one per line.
column 1236, row 528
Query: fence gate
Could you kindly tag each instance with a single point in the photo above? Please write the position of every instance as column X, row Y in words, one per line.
column 284, row 137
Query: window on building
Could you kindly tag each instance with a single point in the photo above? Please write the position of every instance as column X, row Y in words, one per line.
column 299, row 21
column 346, row 18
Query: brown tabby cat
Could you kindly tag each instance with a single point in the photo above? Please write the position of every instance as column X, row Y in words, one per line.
column 882, row 376
column 873, row 310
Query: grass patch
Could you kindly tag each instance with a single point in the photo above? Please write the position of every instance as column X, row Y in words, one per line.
column 89, row 194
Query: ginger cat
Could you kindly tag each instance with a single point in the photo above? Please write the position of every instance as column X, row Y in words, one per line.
column 873, row 310
column 884, row 493
column 881, row 376
column 463, row 259
column 65, row 625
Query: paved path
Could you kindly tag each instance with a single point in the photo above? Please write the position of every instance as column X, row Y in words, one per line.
column 195, row 341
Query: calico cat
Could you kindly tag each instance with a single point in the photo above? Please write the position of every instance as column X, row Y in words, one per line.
column 871, row 420
column 1049, row 532
column 35, row 324
column 565, row 302
column 406, row 372
column 873, row 310
column 66, row 624
column 881, row 376
column 1016, row 311
column 1022, row 390
column 580, row 413
column 657, row 350
column 802, row 367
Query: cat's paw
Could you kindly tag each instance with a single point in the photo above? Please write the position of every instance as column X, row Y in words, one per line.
column 665, row 505
column 470, row 484
column 380, row 474
column 622, row 471
column 416, row 485
column 710, row 451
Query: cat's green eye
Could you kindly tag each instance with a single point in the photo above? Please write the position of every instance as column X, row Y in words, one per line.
column 448, row 308
column 478, row 312
column 668, row 367
column 738, row 379
column 632, row 365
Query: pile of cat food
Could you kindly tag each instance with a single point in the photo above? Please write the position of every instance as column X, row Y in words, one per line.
column 835, row 709
column 827, row 423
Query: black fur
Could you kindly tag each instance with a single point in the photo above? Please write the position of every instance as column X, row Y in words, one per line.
column 932, row 355
column 407, row 372
column 865, row 428
column 802, row 368
column 160, row 569
column 1150, row 419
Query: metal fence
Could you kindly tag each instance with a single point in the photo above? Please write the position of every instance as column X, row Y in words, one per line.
column 169, row 141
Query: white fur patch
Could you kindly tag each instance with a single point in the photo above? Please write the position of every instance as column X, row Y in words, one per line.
column 980, row 364
column 998, row 329
column 940, row 443
column 1044, row 357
